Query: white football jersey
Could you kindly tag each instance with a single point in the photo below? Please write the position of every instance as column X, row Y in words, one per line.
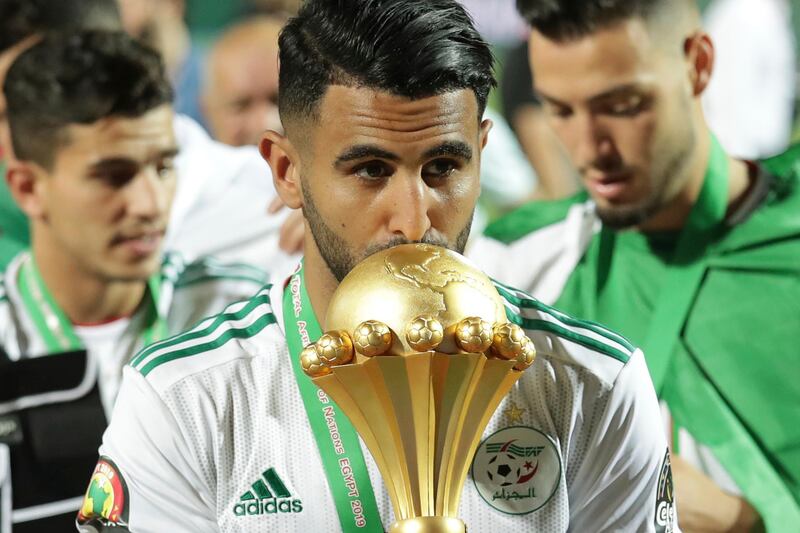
column 209, row 433
column 188, row 292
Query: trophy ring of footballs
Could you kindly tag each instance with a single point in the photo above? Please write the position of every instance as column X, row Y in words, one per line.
column 424, row 333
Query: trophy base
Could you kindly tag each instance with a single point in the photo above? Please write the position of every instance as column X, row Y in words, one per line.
column 429, row 524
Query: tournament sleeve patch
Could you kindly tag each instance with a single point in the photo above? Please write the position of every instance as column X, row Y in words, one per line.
column 105, row 504
column 665, row 498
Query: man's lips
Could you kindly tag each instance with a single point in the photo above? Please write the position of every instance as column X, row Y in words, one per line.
column 140, row 243
column 610, row 186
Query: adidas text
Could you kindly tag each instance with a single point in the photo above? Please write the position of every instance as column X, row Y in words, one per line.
column 267, row 506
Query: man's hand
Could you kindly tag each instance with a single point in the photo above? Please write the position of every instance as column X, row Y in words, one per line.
column 705, row 508
column 293, row 229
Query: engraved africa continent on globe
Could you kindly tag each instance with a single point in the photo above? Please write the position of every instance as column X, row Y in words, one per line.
column 407, row 286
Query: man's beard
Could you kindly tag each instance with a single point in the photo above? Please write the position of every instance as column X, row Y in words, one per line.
column 341, row 261
column 665, row 175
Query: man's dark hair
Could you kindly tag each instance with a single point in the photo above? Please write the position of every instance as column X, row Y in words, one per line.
column 564, row 20
column 20, row 19
column 410, row 48
column 79, row 79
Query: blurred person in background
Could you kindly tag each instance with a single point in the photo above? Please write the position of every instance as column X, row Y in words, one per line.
column 240, row 89
column 211, row 176
column 750, row 99
column 91, row 125
column 556, row 175
column 17, row 19
column 690, row 253
column 161, row 24
column 524, row 158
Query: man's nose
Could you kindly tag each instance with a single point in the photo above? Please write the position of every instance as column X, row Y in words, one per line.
column 149, row 194
column 410, row 200
column 592, row 142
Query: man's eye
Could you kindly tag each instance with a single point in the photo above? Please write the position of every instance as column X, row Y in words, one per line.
column 628, row 107
column 440, row 168
column 372, row 171
column 117, row 178
column 166, row 168
column 556, row 110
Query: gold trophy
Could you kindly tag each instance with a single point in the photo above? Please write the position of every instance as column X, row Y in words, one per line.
column 418, row 354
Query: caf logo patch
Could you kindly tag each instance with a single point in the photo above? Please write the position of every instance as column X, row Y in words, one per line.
column 517, row 470
column 665, row 498
column 106, row 499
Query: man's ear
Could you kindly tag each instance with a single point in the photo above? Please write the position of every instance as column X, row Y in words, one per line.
column 283, row 159
column 486, row 127
column 26, row 183
column 699, row 51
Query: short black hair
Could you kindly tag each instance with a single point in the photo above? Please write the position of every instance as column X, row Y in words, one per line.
column 20, row 19
column 410, row 48
column 564, row 20
column 79, row 79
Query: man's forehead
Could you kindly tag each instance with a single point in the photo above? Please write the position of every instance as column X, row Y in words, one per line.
column 622, row 54
column 361, row 111
column 152, row 131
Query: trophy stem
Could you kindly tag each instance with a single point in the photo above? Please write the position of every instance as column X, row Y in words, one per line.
column 429, row 524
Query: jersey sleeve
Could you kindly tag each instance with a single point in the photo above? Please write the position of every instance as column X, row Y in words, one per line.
column 146, row 479
column 626, row 484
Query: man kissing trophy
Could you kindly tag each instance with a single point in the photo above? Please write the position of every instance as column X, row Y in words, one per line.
column 418, row 354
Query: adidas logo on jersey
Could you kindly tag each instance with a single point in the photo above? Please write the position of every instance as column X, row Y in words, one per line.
column 269, row 495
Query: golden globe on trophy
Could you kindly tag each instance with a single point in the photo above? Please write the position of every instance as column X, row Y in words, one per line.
column 418, row 354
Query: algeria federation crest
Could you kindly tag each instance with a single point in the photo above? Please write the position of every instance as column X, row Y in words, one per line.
column 106, row 499
column 517, row 470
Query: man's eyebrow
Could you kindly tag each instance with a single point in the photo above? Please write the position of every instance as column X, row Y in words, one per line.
column 620, row 90
column 169, row 153
column 364, row 151
column 610, row 93
column 450, row 148
column 112, row 163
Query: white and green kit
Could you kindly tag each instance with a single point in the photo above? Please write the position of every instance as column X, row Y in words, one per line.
column 211, row 432
column 59, row 380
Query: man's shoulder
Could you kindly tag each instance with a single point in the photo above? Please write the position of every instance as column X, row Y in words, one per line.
column 213, row 342
column 566, row 340
column 533, row 217
column 182, row 274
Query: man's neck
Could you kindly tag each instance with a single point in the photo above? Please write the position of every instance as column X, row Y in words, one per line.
column 320, row 281
column 85, row 298
column 676, row 213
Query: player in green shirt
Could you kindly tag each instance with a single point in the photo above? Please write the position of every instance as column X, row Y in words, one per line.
column 693, row 255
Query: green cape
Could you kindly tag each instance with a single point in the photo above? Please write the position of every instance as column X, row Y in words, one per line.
column 734, row 380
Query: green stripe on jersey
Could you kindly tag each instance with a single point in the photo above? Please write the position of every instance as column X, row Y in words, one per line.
column 587, row 342
column 208, row 269
column 240, row 333
column 212, row 264
column 531, row 217
column 210, row 277
column 216, row 321
column 568, row 326
column 513, row 295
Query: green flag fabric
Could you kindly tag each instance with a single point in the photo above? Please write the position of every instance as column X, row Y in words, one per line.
column 733, row 379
